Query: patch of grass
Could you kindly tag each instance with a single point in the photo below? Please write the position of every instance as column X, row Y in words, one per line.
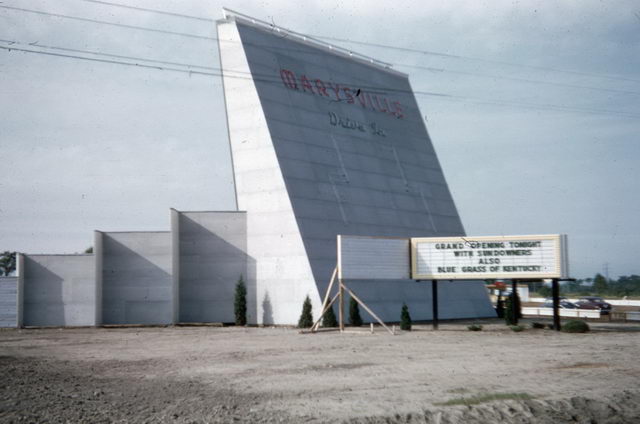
column 516, row 328
column 474, row 327
column 488, row 397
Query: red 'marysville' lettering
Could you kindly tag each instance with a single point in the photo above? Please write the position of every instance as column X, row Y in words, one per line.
column 306, row 85
column 288, row 78
column 319, row 88
column 347, row 92
column 336, row 90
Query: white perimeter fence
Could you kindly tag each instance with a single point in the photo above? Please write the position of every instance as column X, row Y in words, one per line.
column 615, row 302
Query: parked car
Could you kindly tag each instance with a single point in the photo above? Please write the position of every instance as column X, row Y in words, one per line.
column 564, row 304
column 594, row 302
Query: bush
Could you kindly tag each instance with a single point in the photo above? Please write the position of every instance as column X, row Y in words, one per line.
column 329, row 318
column 354, row 313
column 516, row 328
column 306, row 318
column 405, row 318
column 474, row 327
column 512, row 301
column 575, row 326
column 537, row 325
column 240, row 303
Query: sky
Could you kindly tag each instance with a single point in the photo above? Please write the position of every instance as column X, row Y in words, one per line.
column 533, row 108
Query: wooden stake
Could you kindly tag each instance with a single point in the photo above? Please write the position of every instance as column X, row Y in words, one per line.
column 315, row 326
column 333, row 278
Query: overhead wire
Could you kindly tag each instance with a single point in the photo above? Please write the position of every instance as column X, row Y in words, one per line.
column 385, row 90
column 144, row 9
column 497, row 62
column 97, row 21
column 93, row 52
column 432, row 69
column 387, row 46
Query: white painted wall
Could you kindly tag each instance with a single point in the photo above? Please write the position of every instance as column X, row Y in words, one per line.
column 137, row 287
column 58, row 290
column 8, row 301
column 211, row 252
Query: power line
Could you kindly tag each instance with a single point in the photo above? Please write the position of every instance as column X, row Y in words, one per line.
column 386, row 46
column 270, row 79
column 142, row 9
column 524, row 80
column 498, row 62
column 114, row 62
column 117, row 56
column 96, row 21
column 516, row 79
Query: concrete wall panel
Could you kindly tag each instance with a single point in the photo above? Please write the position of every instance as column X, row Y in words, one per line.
column 137, row 286
column 8, row 301
column 212, row 254
column 58, row 290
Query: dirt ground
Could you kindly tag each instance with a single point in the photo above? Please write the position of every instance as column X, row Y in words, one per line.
column 213, row 374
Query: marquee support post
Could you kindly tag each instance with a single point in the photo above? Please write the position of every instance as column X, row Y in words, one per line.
column 514, row 304
column 341, row 305
column 555, row 292
column 434, row 302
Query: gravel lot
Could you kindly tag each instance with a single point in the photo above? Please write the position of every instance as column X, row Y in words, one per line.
column 214, row 374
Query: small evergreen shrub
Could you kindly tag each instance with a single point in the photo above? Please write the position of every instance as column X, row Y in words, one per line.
column 474, row 327
column 575, row 326
column 329, row 318
column 405, row 318
column 240, row 303
column 516, row 328
column 550, row 326
column 354, row 313
column 306, row 317
column 537, row 325
column 512, row 302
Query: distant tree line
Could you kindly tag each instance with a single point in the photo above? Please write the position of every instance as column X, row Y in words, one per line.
column 598, row 286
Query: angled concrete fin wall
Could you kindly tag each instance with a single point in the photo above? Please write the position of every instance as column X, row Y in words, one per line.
column 211, row 252
column 135, row 274
column 8, row 301
column 58, row 290
column 312, row 161
column 282, row 276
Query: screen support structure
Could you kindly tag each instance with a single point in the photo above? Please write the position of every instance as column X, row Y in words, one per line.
column 339, row 296
column 555, row 292
column 514, row 296
column 434, row 302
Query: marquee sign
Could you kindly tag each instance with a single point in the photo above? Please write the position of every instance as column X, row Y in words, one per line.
column 508, row 257
column 373, row 258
